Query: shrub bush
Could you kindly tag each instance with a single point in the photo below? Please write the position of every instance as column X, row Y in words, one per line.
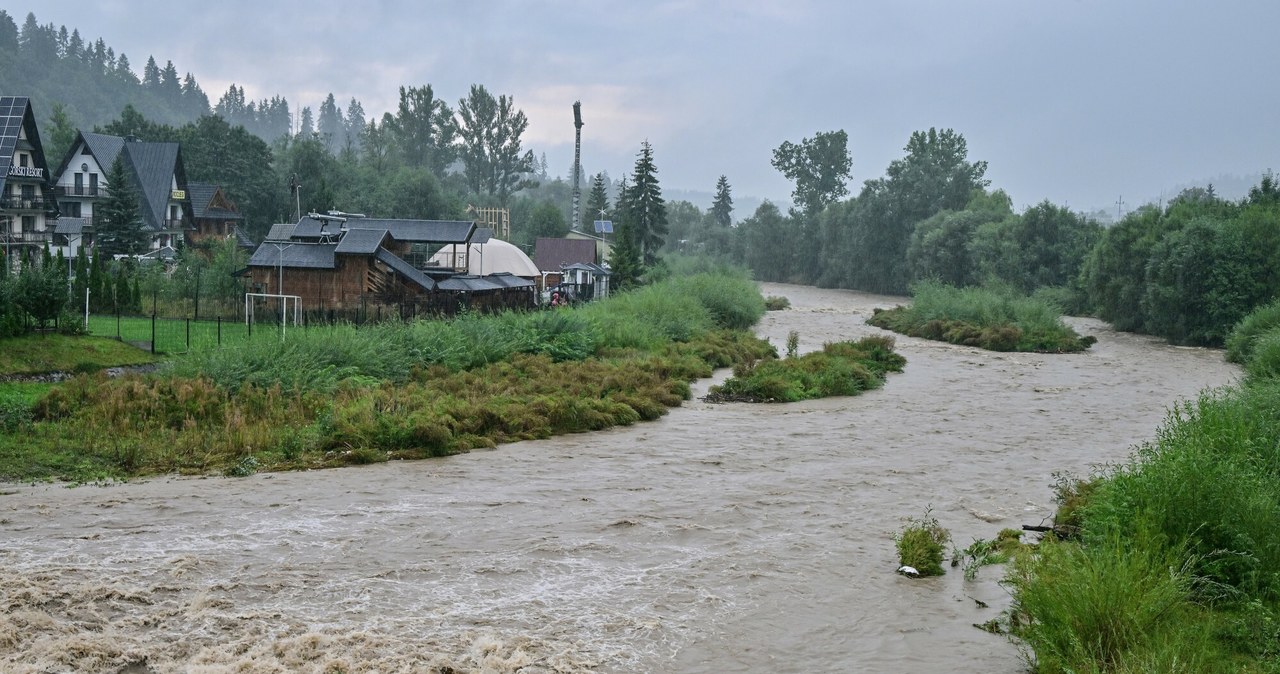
column 1242, row 338
column 921, row 544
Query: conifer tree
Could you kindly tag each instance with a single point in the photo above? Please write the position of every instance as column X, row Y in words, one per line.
column 119, row 227
column 625, row 262
column 151, row 74
column 597, row 207
column 722, row 206
column 81, row 280
column 646, row 210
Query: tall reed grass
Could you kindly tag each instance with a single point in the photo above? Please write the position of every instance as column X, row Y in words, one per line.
column 991, row 318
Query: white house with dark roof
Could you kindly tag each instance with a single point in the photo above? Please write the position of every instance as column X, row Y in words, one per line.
column 155, row 171
column 27, row 207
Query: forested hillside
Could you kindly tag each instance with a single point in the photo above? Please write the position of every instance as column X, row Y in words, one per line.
column 84, row 78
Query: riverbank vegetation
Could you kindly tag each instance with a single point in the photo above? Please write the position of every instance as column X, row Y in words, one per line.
column 1187, row 269
column 839, row 369
column 338, row 396
column 998, row 319
column 1174, row 557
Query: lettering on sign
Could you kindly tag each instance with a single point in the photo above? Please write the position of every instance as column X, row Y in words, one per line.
column 26, row 172
column 179, row 195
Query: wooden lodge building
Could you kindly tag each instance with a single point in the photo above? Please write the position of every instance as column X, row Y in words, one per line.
column 351, row 268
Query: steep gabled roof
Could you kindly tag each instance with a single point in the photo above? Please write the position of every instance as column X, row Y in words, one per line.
column 16, row 118
column 208, row 202
column 555, row 254
column 154, row 166
column 104, row 148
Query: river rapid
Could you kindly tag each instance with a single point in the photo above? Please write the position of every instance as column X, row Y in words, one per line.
column 721, row 538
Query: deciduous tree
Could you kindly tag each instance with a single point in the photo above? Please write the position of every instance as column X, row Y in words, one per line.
column 818, row 166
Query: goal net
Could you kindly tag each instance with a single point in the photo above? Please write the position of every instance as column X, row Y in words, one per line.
column 272, row 308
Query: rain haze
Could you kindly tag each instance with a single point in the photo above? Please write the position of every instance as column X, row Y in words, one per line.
column 1079, row 102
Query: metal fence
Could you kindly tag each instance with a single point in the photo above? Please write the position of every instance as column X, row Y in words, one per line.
column 178, row 334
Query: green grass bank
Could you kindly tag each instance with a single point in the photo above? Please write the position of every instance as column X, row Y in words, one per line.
column 1174, row 561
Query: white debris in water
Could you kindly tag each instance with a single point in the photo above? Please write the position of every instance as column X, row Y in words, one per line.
column 908, row 571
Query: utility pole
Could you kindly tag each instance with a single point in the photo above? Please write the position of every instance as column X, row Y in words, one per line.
column 577, row 160
column 1119, row 205
column 296, row 188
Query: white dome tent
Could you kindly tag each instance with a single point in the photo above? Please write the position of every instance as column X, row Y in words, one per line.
column 494, row 256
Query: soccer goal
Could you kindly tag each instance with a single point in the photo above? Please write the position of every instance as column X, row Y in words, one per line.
column 251, row 301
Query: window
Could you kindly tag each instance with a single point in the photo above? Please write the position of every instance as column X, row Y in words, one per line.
column 24, row 159
column 79, row 183
column 71, row 209
column 93, row 184
column 28, row 223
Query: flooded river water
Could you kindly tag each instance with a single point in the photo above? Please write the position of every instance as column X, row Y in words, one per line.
column 721, row 538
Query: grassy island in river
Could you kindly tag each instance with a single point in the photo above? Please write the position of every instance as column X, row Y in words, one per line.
column 996, row 320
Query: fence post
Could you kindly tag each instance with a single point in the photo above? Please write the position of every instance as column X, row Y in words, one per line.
column 219, row 331
column 153, row 330
column 118, row 335
column 188, row 334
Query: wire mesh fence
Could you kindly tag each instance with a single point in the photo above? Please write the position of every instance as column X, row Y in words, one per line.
column 164, row 332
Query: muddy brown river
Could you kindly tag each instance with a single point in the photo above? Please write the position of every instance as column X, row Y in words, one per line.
column 721, row 538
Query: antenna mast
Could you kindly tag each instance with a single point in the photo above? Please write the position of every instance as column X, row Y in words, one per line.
column 577, row 159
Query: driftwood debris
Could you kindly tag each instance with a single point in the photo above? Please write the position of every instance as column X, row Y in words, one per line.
column 1061, row 532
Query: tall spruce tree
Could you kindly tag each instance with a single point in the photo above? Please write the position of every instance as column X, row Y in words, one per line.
column 722, row 206
column 597, row 207
column 118, row 222
column 646, row 210
column 625, row 260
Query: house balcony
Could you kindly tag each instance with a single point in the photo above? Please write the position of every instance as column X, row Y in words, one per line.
column 21, row 203
column 82, row 191
column 19, row 238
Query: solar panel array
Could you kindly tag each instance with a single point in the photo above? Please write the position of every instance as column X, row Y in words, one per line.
column 603, row 226
column 12, row 110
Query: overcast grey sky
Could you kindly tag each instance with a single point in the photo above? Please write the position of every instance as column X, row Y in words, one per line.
column 1076, row 101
